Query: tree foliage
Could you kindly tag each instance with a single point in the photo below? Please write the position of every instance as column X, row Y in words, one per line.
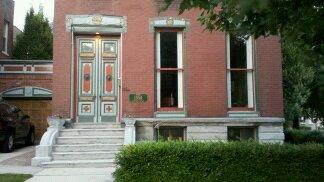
column 297, row 78
column 36, row 42
column 315, row 103
column 303, row 19
column 300, row 23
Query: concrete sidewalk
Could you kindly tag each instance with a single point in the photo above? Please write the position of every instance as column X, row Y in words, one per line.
column 74, row 175
column 18, row 162
column 19, row 169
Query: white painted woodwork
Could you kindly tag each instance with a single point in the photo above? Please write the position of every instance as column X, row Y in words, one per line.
column 249, row 65
column 179, row 66
column 250, row 72
column 158, row 74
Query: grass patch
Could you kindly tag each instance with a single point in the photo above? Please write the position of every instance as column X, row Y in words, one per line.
column 14, row 177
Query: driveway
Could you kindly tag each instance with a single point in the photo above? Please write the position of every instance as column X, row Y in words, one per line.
column 18, row 161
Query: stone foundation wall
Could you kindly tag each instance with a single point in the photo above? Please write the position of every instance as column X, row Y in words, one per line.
column 213, row 129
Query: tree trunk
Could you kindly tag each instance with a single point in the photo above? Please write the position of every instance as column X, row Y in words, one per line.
column 296, row 123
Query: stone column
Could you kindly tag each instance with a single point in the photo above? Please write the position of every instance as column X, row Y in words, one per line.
column 130, row 134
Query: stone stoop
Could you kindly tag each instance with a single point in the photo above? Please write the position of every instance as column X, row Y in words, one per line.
column 87, row 145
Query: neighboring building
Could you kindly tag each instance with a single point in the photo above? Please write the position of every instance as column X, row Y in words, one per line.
column 6, row 28
column 16, row 32
column 28, row 85
column 122, row 61
column 24, row 83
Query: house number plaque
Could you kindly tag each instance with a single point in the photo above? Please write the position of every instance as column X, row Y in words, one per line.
column 141, row 98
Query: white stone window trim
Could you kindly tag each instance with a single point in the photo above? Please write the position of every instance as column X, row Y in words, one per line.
column 180, row 71
column 5, row 35
column 168, row 22
column 250, row 74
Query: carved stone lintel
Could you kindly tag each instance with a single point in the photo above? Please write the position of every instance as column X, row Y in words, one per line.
column 169, row 22
column 95, row 23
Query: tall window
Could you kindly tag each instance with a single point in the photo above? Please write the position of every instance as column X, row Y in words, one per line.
column 5, row 37
column 169, row 70
column 240, row 73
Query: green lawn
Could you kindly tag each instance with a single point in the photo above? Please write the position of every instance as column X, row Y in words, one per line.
column 14, row 177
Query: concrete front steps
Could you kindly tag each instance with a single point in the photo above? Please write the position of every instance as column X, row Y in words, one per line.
column 87, row 145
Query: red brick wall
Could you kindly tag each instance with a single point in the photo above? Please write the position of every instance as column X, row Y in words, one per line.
column 205, row 60
column 8, row 81
column 269, row 76
column 10, row 31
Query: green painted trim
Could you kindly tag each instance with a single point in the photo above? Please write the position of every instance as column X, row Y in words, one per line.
column 38, row 62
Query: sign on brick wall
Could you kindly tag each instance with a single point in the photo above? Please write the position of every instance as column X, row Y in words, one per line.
column 141, row 98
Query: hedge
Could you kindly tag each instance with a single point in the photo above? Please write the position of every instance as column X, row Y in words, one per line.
column 231, row 161
column 304, row 136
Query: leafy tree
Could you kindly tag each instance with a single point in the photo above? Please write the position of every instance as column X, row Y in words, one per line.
column 300, row 23
column 36, row 42
column 315, row 103
column 303, row 19
column 297, row 78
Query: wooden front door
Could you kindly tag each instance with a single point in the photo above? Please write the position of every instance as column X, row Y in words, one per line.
column 97, row 99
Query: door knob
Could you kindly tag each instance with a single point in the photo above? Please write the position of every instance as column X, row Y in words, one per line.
column 109, row 77
column 86, row 77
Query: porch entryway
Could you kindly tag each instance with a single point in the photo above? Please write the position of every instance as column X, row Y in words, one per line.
column 97, row 79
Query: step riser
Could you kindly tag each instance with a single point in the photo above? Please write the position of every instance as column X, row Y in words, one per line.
column 92, row 133
column 83, row 156
column 85, row 148
column 96, row 126
column 97, row 138
column 90, row 141
column 72, row 165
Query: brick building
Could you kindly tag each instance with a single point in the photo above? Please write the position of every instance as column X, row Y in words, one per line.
column 6, row 28
column 28, row 85
column 24, row 83
column 164, row 69
column 124, row 72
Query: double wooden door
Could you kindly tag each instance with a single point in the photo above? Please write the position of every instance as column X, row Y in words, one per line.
column 97, row 99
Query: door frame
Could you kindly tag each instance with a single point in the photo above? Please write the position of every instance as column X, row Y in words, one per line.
column 98, row 41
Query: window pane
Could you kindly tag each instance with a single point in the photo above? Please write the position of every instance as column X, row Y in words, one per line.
column 170, row 133
column 239, row 89
column 169, row 88
column 168, row 49
column 240, row 133
column 237, row 52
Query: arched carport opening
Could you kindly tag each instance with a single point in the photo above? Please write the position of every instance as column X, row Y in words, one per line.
column 33, row 101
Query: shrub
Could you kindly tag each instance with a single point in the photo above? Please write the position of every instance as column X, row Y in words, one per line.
column 303, row 127
column 304, row 136
column 232, row 161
